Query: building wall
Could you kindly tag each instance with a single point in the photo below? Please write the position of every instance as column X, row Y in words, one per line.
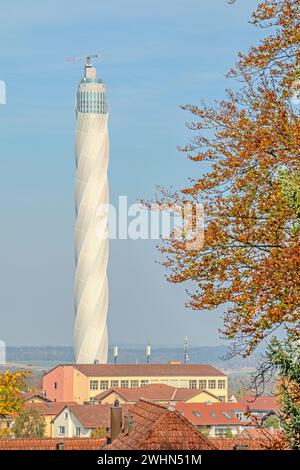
column 58, row 383
column 81, row 387
column 202, row 397
column 221, row 430
column 110, row 399
column 49, row 425
column 69, row 423
column 73, row 385
column 178, row 382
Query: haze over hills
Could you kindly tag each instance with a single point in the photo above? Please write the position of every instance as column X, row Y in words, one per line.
column 215, row 355
column 40, row 359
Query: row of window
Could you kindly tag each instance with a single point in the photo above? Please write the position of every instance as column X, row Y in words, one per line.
column 105, row 384
column 207, row 384
column 193, row 384
column 92, row 102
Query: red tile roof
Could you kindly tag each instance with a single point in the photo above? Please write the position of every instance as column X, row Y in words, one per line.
column 263, row 403
column 202, row 414
column 269, row 439
column 144, row 370
column 154, row 392
column 253, row 433
column 29, row 395
column 93, row 416
column 51, row 408
column 52, row 443
column 233, row 443
column 158, row 427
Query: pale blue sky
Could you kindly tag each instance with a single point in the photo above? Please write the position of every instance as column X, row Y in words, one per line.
column 156, row 56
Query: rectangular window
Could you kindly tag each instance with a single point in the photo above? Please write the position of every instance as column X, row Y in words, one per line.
column 103, row 385
column 66, row 415
column 239, row 415
column 94, row 384
column 193, row 384
column 114, row 383
column 134, row 383
column 144, row 382
column 220, row 432
column 221, row 384
column 124, row 383
column 78, row 431
column 202, row 384
column 55, row 385
column 61, row 430
column 211, row 384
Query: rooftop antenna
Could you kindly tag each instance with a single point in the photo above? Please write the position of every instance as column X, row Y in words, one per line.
column 116, row 353
column 88, row 58
column 148, row 352
column 186, row 350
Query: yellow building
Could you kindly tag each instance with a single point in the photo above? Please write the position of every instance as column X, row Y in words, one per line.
column 49, row 411
column 82, row 382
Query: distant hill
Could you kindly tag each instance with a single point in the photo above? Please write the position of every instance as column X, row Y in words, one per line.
column 214, row 355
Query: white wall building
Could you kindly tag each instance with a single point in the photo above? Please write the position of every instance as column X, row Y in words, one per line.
column 91, row 234
column 81, row 420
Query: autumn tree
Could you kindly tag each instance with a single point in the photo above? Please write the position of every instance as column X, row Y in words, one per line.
column 283, row 358
column 29, row 423
column 271, row 422
column 99, row 432
column 249, row 263
column 11, row 385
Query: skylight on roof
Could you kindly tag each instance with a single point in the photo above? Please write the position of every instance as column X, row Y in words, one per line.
column 226, row 415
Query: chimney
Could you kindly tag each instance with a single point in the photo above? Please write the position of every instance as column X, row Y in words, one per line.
column 115, row 420
column 129, row 425
column 60, row 445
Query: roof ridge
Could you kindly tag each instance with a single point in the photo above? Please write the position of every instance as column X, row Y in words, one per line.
column 158, row 405
column 164, row 416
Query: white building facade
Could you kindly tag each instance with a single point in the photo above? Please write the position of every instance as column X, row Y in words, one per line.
column 66, row 424
column 91, row 234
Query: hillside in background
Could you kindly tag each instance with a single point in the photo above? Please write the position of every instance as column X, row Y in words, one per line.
column 215, row 355
column 41, row 359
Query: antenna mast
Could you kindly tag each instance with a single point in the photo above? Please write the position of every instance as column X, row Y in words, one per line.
column 186, row 350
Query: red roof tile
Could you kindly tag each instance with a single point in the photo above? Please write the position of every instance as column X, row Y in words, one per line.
column 161, row 428
column 52, row 443
column 252, row 433
column 254, row 439
column 31, row 395
column 224, row 443
column 153, row 392
column 51, row 408
column 216, row 413
column 142, row 370
column 93, row 416
column 263, row 403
